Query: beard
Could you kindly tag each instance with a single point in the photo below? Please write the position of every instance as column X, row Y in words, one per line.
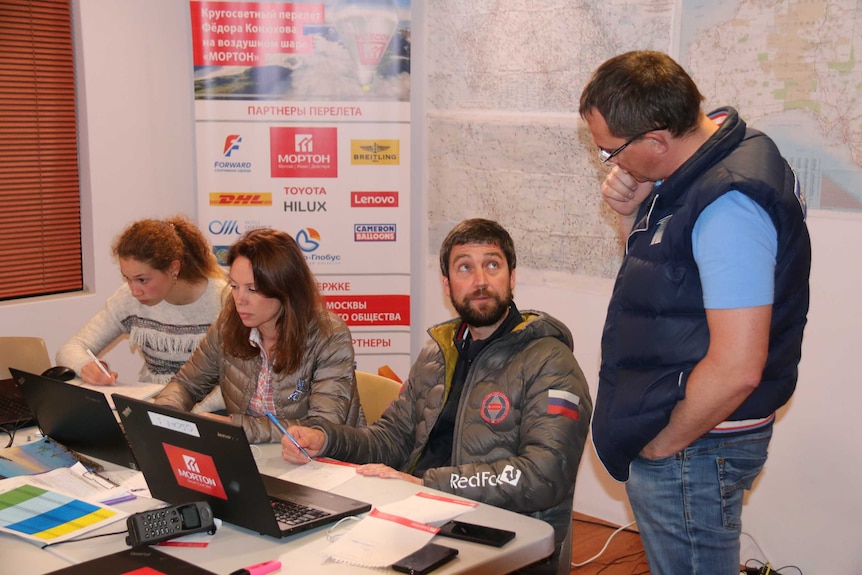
column 488, row 312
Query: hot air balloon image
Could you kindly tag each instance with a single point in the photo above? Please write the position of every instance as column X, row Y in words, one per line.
column 365, row 28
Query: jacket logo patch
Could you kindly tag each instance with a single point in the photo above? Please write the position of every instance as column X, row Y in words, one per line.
column 509, row 475
column 495, row 407
column 564, row 403
column 659, row 231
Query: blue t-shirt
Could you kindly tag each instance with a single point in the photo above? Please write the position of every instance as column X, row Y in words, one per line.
column 735, row 244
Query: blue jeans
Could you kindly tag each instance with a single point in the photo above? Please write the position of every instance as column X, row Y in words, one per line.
column 688, row 506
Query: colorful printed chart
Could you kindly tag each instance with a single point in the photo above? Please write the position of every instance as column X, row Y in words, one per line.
column 35, row 457
column 44, row 516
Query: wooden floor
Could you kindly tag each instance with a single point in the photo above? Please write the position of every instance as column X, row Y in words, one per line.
column 624, row 555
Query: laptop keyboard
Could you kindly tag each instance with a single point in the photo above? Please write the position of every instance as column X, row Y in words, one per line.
column 292, row 513
column 13, row 410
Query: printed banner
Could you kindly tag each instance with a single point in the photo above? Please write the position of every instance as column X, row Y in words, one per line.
column 302, row 113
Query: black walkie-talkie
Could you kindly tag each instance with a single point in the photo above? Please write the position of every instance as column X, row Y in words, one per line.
column 165, row 523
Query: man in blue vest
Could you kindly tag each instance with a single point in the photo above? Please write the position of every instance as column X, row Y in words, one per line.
column 704, row 327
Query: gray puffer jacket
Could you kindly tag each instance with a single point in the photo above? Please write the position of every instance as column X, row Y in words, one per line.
column 515, row 444
column 329, row 390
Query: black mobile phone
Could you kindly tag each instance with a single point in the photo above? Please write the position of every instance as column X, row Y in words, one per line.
column 149, row 527
column 425, row 560
column 476, row 533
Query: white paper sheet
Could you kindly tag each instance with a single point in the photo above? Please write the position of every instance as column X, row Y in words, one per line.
column 321, row 473
column 380, row 539
column 42, row 515
column 137, row 390
column 428, row 508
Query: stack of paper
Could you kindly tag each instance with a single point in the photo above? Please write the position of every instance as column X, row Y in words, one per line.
column 45, row 516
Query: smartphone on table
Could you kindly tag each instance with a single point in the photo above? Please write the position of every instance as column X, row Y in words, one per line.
column 476, row 533
column 425, row 560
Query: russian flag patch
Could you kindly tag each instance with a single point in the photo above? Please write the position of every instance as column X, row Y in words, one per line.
column 563, row 403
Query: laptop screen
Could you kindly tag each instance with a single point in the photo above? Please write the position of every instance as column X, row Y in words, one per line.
column 79, row 419
column 187, row 457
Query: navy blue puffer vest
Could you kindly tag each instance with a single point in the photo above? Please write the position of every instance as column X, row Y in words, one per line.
column 656, row 329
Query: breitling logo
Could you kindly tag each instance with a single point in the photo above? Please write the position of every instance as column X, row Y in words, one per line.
column 375, row 148
column 375, row 152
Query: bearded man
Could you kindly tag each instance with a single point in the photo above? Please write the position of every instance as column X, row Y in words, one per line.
column 497, row 393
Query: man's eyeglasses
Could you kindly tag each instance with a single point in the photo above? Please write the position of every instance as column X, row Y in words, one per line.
column 606, row 156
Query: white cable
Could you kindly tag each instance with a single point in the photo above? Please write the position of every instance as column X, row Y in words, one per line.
column 756, row 544
column 256, row 452
column 608, row 542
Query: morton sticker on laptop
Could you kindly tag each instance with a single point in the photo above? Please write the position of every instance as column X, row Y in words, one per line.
column 195, row 470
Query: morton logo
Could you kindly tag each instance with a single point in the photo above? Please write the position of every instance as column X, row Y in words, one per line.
column 374, row 232
column 303, row 152
column 240, row 199
column 375, row 152
column 194, row 470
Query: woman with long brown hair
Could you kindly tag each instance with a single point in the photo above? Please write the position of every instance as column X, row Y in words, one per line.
column 275, row 348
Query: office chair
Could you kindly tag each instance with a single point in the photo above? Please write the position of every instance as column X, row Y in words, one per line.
column 25, row 353
column 375, row 394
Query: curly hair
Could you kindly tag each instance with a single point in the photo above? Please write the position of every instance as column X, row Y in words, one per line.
column 157, row 243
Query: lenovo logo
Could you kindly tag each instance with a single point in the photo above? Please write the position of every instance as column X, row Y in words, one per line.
column 373, row 199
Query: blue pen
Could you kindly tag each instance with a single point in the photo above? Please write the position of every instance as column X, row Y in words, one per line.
column 286, row 434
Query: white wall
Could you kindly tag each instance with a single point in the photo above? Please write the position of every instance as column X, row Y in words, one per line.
column 134, row 75
column 138, row 161
column 804, row 509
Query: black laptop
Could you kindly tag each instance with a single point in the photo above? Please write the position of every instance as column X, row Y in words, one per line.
column 14, row 411
column 186, row 457
column 80, row 419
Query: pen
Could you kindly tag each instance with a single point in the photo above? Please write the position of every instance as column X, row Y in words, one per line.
column 100, row 364
column 98, row 476
column 286, row 434
column 259, row 569
column 120, row 499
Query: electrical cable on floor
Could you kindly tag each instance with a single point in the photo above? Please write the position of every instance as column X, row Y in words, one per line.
column 766, row 568
column 639, row 567
column 768, row 562
column 756, row 544
column 608, row 542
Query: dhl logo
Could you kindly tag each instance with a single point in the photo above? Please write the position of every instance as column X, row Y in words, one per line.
column 240, row 199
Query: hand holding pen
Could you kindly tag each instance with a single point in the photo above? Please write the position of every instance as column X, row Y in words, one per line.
column 284, row 432
column 112, row 378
